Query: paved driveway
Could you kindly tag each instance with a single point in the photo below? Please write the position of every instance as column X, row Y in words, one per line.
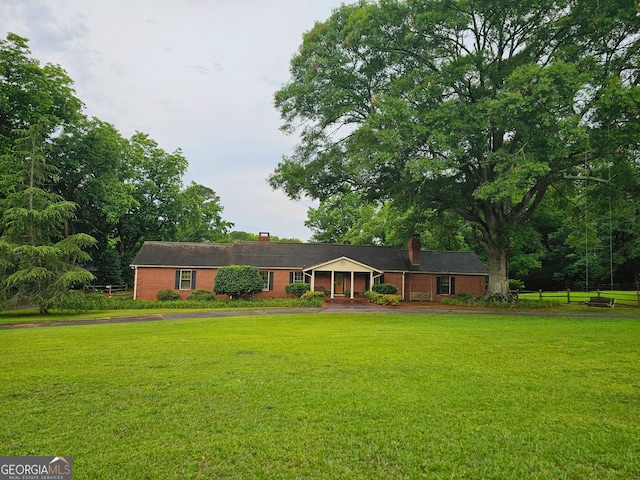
column 329, row 308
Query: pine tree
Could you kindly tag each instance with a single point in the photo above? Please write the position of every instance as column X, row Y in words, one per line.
column 39, row 262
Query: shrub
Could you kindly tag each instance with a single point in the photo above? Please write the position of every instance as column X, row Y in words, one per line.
column 382, row 299
column 77, row 301
column 389, row 299
column 201, row 295
column 167, row 295
column 297, row 289
column 385, row 288
column 516, row 284
column 464, row 297
column 238, row 280
column 310, row 294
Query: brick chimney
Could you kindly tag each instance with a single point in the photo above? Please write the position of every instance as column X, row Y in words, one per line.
column 414, row 246
column 264, row 237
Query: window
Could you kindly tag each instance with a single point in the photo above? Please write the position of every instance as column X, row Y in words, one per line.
column 296, row 277
column 446, row 285
column 267, row 280
column 185, row 280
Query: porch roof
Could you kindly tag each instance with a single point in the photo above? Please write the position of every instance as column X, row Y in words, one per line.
column 344, row 264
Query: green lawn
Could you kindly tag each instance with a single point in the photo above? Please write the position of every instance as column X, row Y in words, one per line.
column 623, row 297
column 328, row 396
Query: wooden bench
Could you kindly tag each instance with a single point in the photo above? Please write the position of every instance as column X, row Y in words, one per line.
column 419, row 297
column 600, row 302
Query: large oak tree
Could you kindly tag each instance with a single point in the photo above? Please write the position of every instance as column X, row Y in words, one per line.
column 472, row 107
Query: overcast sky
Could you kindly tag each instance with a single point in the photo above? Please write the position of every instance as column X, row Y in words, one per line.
column 198, row 75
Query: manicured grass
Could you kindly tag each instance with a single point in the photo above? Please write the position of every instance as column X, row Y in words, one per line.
column 141, row 308
column 328, row 396
column 623, row 297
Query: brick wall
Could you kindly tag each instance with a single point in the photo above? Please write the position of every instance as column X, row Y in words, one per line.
column 474, row 285
column 151, row 280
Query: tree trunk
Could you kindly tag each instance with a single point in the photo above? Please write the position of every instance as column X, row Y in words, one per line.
column 498, row 287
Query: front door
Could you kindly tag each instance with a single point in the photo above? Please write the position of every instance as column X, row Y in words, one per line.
column 338, row 286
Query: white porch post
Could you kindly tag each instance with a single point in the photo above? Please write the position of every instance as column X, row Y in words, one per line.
column 135, row 283
column 333, row 283
column 313, row 280
column 371, row 280
column 352, row 286
column 403, row 285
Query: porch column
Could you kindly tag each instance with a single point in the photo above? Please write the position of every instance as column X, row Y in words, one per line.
column 313, row 281
column 135, row 282
column 352, row 285
column 333, row 283
column 371, row 280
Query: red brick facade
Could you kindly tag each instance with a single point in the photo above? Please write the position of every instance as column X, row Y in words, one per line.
column 150, row 280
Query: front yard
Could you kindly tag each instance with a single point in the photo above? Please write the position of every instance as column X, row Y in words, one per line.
column 390, row 395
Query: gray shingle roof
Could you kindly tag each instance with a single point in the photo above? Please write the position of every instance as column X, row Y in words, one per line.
column 299, row 256
column 451, row 262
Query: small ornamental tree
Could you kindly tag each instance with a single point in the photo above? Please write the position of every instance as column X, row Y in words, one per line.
column 238, row 280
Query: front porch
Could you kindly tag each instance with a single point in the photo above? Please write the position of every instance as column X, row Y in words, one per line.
column 342, row 277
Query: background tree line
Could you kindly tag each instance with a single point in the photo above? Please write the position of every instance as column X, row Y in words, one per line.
column 69, row 178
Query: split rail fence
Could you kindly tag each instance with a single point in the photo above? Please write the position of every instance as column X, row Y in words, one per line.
column 627, row 295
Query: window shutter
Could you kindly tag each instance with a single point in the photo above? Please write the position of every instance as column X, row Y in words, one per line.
column 382, row 278
column 270, row 281
column 193, row 279
column 177, row 280
column 438, row 285
column 453, row 285
column 290, row 277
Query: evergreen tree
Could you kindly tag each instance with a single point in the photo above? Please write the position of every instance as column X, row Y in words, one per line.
column 39, row 263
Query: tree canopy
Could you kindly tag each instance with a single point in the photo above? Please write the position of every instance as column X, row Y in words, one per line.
column 473, row 108
column 91, row 196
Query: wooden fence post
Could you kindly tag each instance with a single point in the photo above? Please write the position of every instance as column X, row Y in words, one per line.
column 568, row 295
column 540, row 293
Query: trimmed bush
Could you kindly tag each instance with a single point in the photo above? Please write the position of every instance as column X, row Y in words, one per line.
column 385, row 288
column 297, row 289
column 311, row 294
column 464, row 297
column 77, row 301
column 201, row 295
column 168, row 295
column 238, row 280
column 383, row 299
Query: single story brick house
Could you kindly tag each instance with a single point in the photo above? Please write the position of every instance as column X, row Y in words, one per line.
column 340, row 270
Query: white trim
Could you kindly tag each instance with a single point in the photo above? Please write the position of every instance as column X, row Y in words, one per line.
column 363, row 267
column 190, row 279
column 333, row 283
column 135, row 282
